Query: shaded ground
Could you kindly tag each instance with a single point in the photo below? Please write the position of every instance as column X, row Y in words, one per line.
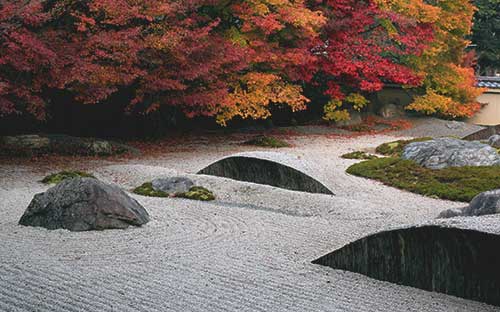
column 250, row 250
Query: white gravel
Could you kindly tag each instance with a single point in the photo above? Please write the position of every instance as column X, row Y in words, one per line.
column 250, row 250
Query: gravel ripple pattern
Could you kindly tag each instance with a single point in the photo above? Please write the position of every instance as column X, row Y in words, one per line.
column 249, row 250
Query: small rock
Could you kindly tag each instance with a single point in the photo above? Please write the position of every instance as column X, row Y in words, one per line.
column 484, row 204
column 391, row 111
column 101, row 148
column 84, row 204
column 172, row 185
column 455, row 125
column 451, row 213
column 494, row 141
column 447, row 152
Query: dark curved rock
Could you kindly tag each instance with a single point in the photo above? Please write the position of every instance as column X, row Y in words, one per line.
column 265, row 171
column 454, row 261
column 84, row 204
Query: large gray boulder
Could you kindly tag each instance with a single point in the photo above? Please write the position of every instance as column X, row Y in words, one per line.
column 172, row 185
column 84, row 204
column 447, row 152
column 494, row 141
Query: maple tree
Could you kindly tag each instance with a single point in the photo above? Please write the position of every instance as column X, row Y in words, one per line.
column 449, row 84
column 229, row 59
column 366, row 47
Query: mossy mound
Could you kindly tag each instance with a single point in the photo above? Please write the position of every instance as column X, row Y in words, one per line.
column 455, row 183
column 265, row 141
column 147, row 189
column 56, row 178
column 359, row 155
column 197, row 193
column 396, row 148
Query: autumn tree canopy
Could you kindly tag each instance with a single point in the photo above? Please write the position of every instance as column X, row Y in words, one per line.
column 226, row 58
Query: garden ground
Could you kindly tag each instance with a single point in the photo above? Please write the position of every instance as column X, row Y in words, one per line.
column 249, row 250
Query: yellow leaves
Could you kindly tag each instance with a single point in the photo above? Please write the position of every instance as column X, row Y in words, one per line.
column 332, row 112
column 261, row 9
column 254, row 93
column 423, row 12
column 236, row 37
column 450, row 87
column 357, row 101
column 431, row 103
column 451, row 92
column 333, row 109
column 275, row 15
column 389, row 27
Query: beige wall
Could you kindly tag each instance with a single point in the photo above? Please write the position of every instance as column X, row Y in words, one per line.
column 490, row 114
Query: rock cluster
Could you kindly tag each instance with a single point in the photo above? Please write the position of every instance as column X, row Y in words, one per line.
column 39, row 144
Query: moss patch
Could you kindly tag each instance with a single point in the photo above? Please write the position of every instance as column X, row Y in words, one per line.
column 358, row 155
column 56, row 178
column 265, row 141
column 197, row 193
column 147, row 189
column 457, row 183
column 396, row 148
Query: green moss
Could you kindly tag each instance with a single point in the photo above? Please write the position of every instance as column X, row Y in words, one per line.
column 456, row 183
column 265, row 141
column 147, row 190
column 56, row 178
column 396, row 148
column 358, row 155
column 197, row 193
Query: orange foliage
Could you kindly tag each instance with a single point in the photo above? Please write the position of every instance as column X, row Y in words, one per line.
column 449, row 85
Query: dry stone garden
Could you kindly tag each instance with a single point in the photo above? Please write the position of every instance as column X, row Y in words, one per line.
column 239, row 227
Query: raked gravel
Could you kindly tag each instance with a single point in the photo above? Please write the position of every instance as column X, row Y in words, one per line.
column 250, row 250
